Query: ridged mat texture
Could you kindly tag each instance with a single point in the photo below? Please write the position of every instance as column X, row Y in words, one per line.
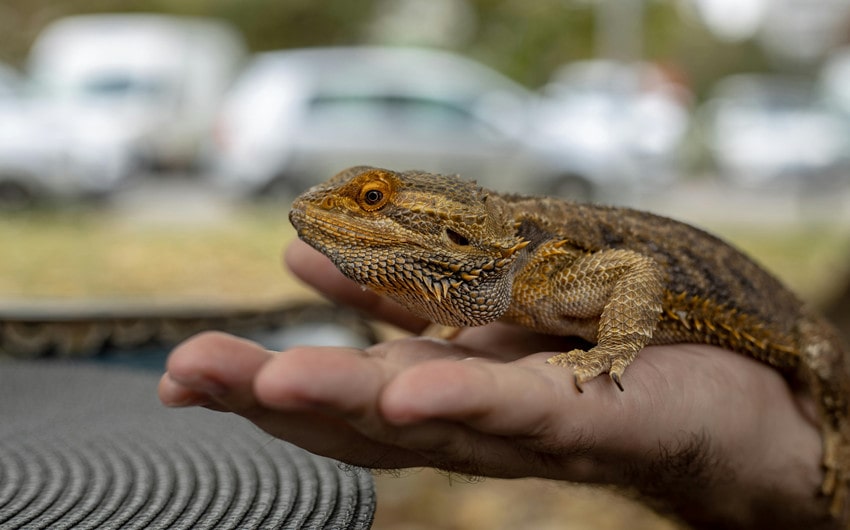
column 85, row 446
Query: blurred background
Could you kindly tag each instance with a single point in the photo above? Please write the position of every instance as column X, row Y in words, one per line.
column 149, row 149
column 595, row 99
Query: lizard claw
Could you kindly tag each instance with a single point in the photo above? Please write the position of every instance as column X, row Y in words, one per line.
column 578, row 384
column 616, row 378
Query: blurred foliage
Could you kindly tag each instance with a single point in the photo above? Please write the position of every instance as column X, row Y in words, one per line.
column 266, row 24
column 526, row 39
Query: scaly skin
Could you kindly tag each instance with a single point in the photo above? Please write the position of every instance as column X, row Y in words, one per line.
column 459, row 255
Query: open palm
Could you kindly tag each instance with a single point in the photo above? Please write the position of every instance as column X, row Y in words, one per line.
column 717, row 437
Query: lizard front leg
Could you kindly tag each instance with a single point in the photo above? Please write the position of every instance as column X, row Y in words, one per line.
column 617, row 292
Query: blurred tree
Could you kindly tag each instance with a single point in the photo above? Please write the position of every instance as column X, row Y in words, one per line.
column 526, row 39
column 266, row 24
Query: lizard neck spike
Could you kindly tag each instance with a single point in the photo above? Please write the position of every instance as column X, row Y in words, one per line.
column 510, row 251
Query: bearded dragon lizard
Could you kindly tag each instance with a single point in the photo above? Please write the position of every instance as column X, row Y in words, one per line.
column 460, row 255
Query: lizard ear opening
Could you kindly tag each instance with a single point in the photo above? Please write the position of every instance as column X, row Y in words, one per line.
column 456, row 238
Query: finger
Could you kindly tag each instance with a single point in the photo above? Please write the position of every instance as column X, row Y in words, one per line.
column 453, row 428
column 219, row 371
column 322, row 399
column 350, row 385
column 342, row 381
column 315, row 269
column 503, row 399
column 216, row 367
column 508, row 342
column 173, row 394
column 509, row 419
column 346, row 381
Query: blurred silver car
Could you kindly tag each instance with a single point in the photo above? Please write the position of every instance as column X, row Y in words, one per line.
column 295, row 117
column 765, row 129
column 11, row 83
column 619, row 118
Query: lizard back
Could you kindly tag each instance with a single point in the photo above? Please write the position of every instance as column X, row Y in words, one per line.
column 709, row 282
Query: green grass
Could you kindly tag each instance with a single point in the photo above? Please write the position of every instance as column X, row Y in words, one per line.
column 83, row 253
column 812, row 259
column 90, row 253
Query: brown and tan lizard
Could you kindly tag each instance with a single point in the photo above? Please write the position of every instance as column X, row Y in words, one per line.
column 459, row 255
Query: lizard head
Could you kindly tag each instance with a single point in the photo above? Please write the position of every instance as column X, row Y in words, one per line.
column 434, row 243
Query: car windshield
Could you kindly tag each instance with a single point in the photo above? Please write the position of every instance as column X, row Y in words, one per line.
column 398, row 109
column 104, row 86
column 118, row 85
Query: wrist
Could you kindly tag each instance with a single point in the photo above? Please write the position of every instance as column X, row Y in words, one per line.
column 770, row 477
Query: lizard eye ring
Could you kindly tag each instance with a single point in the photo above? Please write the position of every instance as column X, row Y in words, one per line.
column 374, row 195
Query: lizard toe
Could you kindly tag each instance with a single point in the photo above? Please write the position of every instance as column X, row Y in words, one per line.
column 585, row 367
column 571, row 359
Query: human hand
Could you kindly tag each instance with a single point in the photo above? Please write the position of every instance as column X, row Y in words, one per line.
column 717, row 437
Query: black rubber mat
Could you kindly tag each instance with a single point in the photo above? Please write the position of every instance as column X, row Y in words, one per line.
column 84, row 446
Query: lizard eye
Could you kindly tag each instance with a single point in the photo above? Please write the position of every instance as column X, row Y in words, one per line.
column 374, row 195
column 456, row 238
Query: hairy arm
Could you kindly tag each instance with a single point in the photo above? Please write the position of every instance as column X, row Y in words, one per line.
column 716, row 438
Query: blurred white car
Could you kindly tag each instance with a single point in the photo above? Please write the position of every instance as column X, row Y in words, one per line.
column 765, row 129
column 158, row 79
column 48, row 151
column 296, row 117
column 11, row 190
column 625, row 119
column 41, row 157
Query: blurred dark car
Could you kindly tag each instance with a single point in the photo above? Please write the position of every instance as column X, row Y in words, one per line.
column 296, row 117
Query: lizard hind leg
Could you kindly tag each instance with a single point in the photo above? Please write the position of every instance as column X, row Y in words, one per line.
column 826, row 367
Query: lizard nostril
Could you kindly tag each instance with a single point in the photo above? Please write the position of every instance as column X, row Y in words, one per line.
column 456, row 238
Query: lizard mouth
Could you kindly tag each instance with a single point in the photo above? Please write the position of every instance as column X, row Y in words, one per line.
column 316, row 226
